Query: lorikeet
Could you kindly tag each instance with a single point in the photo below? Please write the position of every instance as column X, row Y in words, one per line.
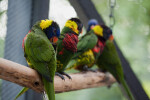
column 67, row 45
column 40, row 53
column 109, row 61
column 89, row 47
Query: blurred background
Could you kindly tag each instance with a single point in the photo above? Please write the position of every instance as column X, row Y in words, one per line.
column 131, row 32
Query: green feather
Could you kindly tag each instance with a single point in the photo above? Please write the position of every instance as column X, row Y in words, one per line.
column 88, row 41
column 49, row 88
column 81, row 58
column 42, row 57
column 62, row 60
column 21, row 92
column 109, row 61
column 126, row 88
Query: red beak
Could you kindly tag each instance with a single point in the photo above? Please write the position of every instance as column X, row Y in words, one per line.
column 111, row 38
column 81, row 31
column 54, row 39
column 92, row 26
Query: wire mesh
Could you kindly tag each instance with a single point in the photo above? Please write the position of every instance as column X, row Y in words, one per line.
column 21, row 14
column 3, row 17
column 18, row 24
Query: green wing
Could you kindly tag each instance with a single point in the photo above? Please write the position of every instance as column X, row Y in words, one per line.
column 41, row 54
column 21, row 92
column 109, row 60
column 86, row 42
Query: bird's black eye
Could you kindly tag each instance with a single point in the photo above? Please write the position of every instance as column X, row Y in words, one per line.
column 80, row 27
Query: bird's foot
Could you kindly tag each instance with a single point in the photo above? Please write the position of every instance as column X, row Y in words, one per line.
column 63, row 73
column 86, row 68
column 60, row 75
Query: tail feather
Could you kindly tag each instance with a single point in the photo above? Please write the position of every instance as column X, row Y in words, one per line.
column 125, row 86
column 49, row 89
column 21, row 92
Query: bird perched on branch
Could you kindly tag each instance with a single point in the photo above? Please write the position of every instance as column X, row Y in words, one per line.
column 67, row 45
column 109, row 61
column 40, row 53
column 89, row 47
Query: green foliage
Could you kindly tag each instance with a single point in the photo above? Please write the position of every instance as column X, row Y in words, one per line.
column 2, row 12
column 147, row 87
column 1, row 47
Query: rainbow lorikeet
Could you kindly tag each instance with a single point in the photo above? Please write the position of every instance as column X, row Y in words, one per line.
column 40, row 53
column 109, row 61
column 67, row 45
column 90, row 47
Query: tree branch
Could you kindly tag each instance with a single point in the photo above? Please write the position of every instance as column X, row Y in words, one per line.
column 28, row 77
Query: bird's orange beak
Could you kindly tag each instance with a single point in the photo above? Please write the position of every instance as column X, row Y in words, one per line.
column 81, row 31
column 92, row 26
column 54, row 39
column 111, row 38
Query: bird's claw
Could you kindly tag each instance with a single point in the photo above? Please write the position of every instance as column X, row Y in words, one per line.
column 60, row 75
column 63, row 73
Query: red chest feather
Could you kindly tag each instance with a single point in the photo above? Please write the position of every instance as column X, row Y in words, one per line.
column 70, row 42
column 99, row 47
column 24, row 40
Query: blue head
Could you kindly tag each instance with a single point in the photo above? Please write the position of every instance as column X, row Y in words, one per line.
column 51, row 30
column 91, row 23
column 107, row 32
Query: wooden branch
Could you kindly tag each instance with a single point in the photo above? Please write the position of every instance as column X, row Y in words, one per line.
column 28, row 77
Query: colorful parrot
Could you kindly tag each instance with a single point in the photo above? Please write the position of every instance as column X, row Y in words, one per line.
column 109, row 61
column 40, row 53
column 67, row 45
column 90, row 46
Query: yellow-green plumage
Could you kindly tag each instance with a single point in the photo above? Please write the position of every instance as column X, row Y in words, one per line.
column 85, row 58
column 41, row 56
column 21, row 92
column 67, row 45
column 84, row 55
column 64, row 58
column 109, row 61
column 40, row 52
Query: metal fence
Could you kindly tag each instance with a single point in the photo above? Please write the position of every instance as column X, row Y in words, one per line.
column 3, row 17
column 21, row 14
